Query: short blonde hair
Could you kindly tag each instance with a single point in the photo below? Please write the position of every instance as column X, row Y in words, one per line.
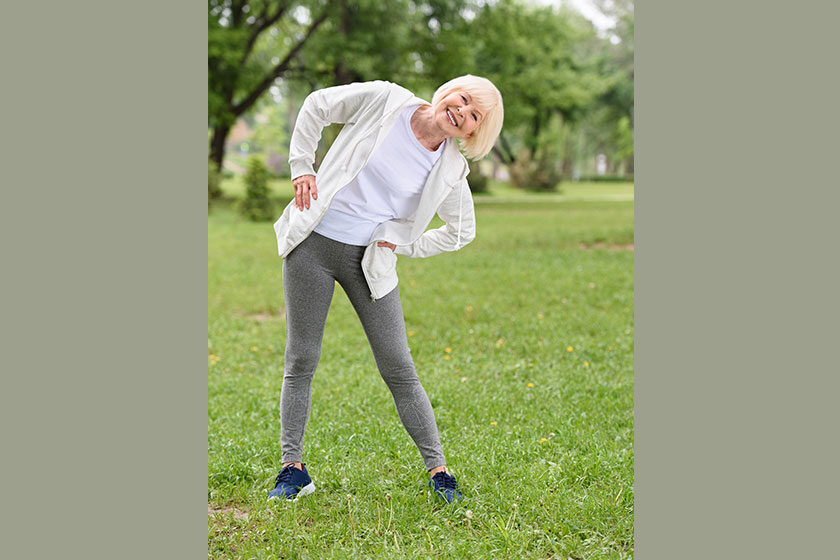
column 488, row 100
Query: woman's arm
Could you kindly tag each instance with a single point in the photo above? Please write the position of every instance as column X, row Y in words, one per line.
column 458, row 212
column 339, row 104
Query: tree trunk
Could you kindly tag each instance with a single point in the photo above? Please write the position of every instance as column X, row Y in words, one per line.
column 235, row 110
column 628, row 165
column 567, row 156
column 534, row 141
column 217, row 144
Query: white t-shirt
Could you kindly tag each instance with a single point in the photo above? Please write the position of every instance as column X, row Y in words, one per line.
column 388, row 187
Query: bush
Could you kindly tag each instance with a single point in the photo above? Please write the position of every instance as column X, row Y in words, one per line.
column 256, row 206
column 214, row 182
column 476, row 181
column 542, row 174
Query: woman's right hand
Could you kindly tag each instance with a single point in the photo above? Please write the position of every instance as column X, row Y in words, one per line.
column 304, row 188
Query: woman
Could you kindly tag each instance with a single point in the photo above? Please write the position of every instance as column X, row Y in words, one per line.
column 393, row 166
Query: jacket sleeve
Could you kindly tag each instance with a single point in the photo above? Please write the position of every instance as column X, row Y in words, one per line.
column 458, row 213
column 339, row 104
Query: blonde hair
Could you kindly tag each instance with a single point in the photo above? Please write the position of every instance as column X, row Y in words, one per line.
column 488, row 100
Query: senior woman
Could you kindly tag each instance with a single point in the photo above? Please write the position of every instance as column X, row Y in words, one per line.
column 394, row 164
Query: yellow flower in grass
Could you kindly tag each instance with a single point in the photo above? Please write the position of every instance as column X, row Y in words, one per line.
column 469, row 308
column 530, row 384
column 543, row 440
column 493, row 423
column 500, row 342
column 254, row 348
column 447, row 357
column 540, row 316
column 448, row 350
column 569, row 349
column 411, row 333
column 585, row 364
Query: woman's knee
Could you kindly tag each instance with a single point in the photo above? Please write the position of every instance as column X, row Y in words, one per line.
column 301, row 364
column 400, row 374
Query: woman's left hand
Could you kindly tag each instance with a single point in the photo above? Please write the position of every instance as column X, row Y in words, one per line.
column 386, row 244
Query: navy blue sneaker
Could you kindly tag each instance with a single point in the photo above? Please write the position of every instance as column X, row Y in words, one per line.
column 444, row 485
column 291, row 484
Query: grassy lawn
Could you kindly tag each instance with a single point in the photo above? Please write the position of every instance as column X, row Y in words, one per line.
column 524, row 343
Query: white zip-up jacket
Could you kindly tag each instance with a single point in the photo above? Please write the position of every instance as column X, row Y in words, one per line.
column 368, row 111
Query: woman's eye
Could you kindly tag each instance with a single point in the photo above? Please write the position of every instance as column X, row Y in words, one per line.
column 464, row 98
column 474, row 117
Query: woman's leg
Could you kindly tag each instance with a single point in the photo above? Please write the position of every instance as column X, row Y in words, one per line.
column 308, row 285
column 385, row 329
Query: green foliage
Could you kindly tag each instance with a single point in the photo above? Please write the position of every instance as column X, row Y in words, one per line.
column 535, row 56
column 214, row 182
column 477, row 181
column 257, row 205
column 539, row 278
column 272, row 137
column 374, row 40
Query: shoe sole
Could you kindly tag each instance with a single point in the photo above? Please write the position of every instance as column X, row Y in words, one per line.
column 308, row 489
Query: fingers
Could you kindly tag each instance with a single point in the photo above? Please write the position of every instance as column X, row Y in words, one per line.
column 303, row 186
column 386, row 244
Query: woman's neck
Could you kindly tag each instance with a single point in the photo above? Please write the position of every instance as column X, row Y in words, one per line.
column 424, row 128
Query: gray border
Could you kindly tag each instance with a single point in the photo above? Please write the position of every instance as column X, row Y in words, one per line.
column 736, row 280
column 105, row 279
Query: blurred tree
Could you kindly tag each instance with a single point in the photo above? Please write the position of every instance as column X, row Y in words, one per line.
column 243, row 39
column 616, row 103
column 542, row 60
column 357, row 40
column 271, row 134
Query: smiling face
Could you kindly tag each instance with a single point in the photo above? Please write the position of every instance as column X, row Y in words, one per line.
column 457, row 115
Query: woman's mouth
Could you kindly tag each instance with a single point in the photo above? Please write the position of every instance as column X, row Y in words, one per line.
column 451, row 118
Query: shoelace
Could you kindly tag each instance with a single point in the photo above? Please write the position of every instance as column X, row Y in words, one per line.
column 446, row 480
column 284, row 476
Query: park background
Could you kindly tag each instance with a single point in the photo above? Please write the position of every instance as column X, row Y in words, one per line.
column 523, row 340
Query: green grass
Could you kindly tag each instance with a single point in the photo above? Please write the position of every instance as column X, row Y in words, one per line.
column 539, row 278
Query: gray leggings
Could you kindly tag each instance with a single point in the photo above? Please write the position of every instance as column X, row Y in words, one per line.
column 309, row 275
